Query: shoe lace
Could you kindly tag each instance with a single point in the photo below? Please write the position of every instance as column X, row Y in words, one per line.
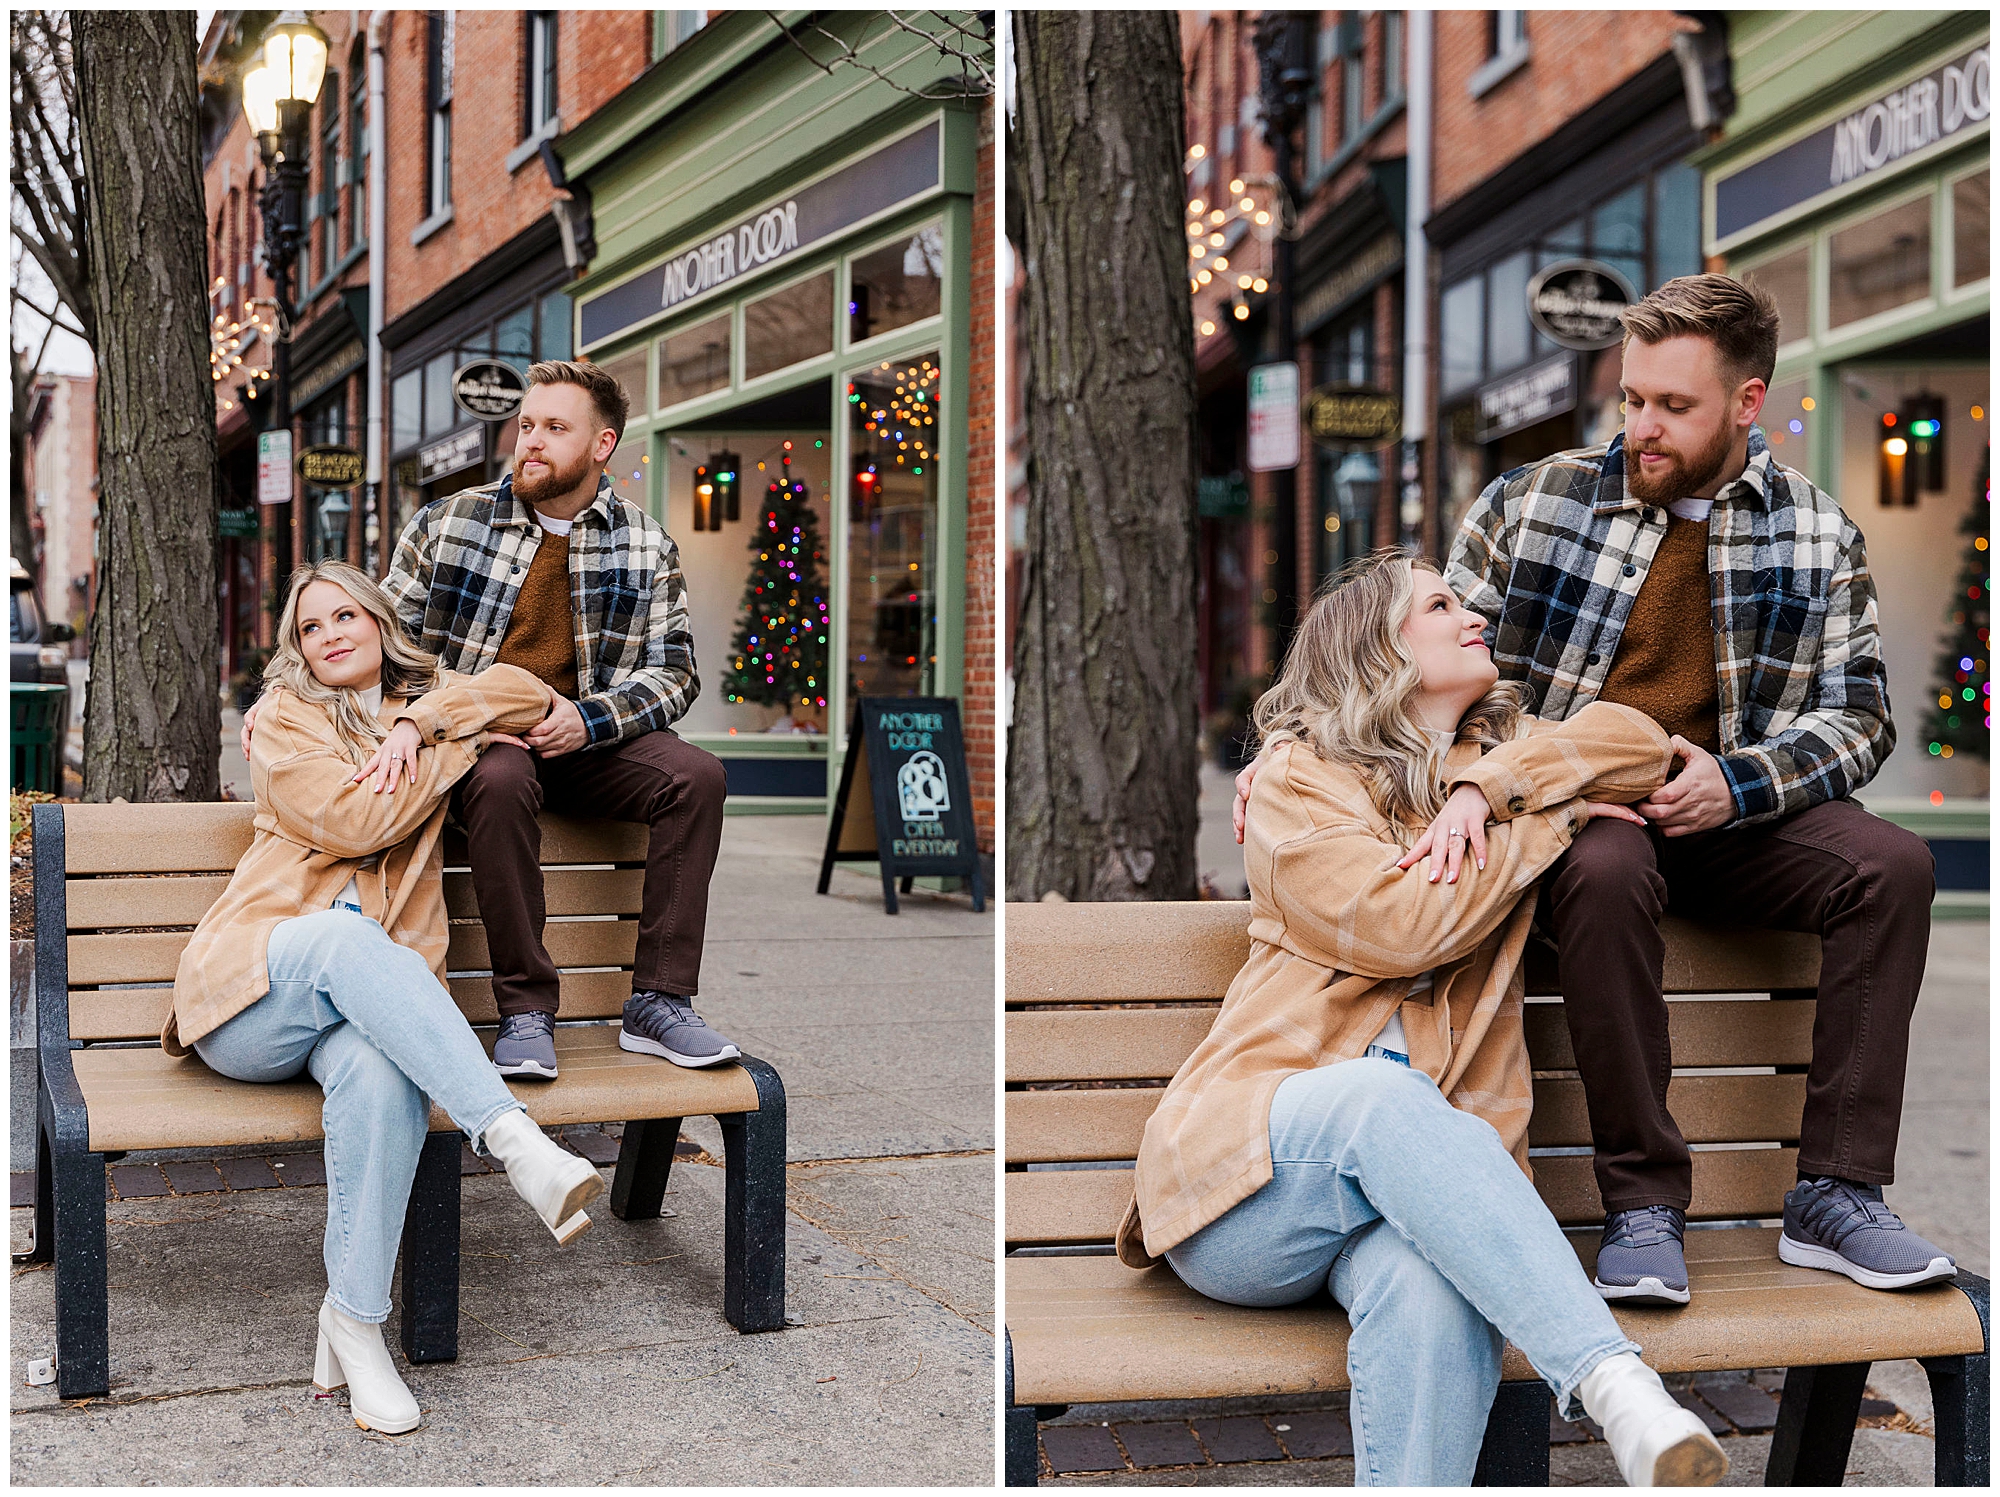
column 1643, row 1226
column 527, row 1026
column 1833, row 1210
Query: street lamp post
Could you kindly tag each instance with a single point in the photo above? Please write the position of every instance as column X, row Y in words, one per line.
column 278, row 96
column 1284, row 85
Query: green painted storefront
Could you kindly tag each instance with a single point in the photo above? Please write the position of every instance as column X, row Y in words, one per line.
column 782, row 281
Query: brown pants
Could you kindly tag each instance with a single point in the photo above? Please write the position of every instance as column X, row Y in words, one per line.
column 1860, row 884
column 669, row 785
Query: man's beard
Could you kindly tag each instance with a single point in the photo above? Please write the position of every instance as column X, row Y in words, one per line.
column 551, row 483
column 1683, row 475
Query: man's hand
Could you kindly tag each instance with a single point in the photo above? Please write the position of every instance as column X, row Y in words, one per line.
column 250, row 716
column 396, row 756
column 1695, row 800
column 561, row 732
column 1242, row 805
column 1460, row 824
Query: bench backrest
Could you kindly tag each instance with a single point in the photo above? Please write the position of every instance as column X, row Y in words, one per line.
column 1104, row 1002
column 135, row 879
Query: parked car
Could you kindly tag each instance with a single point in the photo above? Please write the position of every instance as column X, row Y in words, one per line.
column 36, row 650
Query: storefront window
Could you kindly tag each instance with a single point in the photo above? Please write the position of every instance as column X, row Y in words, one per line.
column 1676, row 223
column 1971, row 228
column 1507, row 325
column 406, row 410
column 1463, row 312
column 629, row 369
column 555, row 326
column 514, row 338
column 788, row 326
column 892, row 529
column 695, row 362
column 1350, row 483
column 1787, row 421
column 1618, row 234
column 326, row 510
column 440, row 415
column 627, row 470
column 896, row 285
column 1788, row 279
column 1880, row 263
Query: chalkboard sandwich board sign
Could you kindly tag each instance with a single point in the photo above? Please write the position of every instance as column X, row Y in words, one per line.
column 912, row 754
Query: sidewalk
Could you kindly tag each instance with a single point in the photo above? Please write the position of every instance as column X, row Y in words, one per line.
column 609, row 1361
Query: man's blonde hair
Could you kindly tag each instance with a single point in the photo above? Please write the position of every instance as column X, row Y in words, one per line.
column 1740, row 320
column 606, row 394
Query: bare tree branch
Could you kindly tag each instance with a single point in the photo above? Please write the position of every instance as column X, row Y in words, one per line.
column 970, row 46
column 47, row 178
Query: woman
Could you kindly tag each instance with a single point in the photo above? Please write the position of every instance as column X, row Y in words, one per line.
column 326, row 951
column 1357, row 1118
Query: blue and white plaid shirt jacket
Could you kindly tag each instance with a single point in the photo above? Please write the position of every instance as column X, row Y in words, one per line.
column 1555, row 552
column 459, row 566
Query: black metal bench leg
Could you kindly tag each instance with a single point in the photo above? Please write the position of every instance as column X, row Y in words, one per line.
column 1515, row 1452
column 1022, row 1432
column 43, row 1248
column 645, row 1159
column 77, row 1243
column 753, row 1252
column 430, row 1254
column 1816, row 1425
column 1961, row 1396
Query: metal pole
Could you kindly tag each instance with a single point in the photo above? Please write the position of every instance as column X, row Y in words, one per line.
column 1417, row 285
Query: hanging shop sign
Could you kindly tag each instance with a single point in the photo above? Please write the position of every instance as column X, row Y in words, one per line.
column 1525, row 397
column 1947, row 102
column 1274, row 417
column 1353, row 277
column 1354, row 418
column 331, row 467
column 911, row 754
column 876, row 184
column 1577, row 303
column 322, row 377
column 462, row 449
column 274, row 467
column 489, row 390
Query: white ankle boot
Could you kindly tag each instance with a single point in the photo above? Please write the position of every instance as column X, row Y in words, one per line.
column 351, row 1354
column 1655, row 1441
column 544, row 1174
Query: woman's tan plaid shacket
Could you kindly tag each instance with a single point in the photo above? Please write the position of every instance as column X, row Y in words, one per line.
column 1335, row 937
column 315, row 828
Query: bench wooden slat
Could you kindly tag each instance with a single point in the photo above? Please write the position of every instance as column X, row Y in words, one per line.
column 1077, row 1126
column 167, row 899
column 144, row 1099
column 96, row 1014
column 567, row 840
column 1070, row 953
column 1090, row 1330
column 153, row 956
column 1720, row 1033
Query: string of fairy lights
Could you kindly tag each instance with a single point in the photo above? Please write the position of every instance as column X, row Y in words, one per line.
column 906, row 418
column 225, row 343
column 1252, row 201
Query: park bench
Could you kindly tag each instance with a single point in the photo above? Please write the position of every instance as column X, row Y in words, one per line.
column 118, row 890
column 1104, row 1002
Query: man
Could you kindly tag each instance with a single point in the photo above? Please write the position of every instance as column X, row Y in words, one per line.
column 1681, row 570
column 549, row 570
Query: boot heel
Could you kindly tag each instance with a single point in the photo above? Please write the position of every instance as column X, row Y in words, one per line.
column 571, row 1229
column 326, row 1367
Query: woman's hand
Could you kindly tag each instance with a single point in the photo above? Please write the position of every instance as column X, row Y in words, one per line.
column 396, row 756
column 1461, row 822
column 1592, row 809
column 497, row 737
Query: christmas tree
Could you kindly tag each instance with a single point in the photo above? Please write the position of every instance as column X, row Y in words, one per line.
column 1961, row 710
column 779, row 655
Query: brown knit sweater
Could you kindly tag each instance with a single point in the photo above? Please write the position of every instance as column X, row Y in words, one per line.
column 1665, row 665
column 541, row 634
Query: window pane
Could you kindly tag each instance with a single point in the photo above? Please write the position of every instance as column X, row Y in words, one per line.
column 1676, row 223
column 788, row 326
column 1881, row 263
column 1463, row 314
column 629, row 369
column 892, row 530
column 1507, row 323
column 897, row 284
column 1788, row 280
column 555, row 326
column 695, row 362
column 1618, row 234
column 514, row 338
column 406, row 410
column 440, row 415
column 628, row 470
column 1971, row 201
column 1787, row 422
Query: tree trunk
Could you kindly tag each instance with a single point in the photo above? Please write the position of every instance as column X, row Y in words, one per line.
column 1103, row 753
column 152, row 727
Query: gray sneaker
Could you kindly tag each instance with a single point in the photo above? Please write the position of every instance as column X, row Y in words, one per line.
column 1640, row 1258
column 526, row 1046
column 664, row 1024
column 1843, row 1226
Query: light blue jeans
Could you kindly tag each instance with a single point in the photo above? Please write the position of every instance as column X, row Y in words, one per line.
column 1416, row 1219
column 382, row 1039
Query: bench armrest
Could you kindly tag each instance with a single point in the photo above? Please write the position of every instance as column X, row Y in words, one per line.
column 52, row 1041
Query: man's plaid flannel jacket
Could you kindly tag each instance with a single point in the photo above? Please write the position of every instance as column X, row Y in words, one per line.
column 460, row 564
column 1555, row 552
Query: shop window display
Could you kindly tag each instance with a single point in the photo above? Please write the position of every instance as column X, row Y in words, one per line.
column 788, row 326
column 892, row 529
column 1879, row 264
column 1971, row 228
column 695, row 362
column 896, row 285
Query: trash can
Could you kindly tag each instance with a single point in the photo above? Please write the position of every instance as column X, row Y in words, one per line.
column 40, row 722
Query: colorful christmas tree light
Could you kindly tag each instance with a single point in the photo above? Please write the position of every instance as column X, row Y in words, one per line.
column 778, row 658
column 1960, row 719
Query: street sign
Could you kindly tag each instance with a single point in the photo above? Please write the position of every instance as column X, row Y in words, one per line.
column 239, row 524
column 1222, row 498
column 1274, row 417
column 330, row 466
column 274, row 467
column 1354, row 418
column 462, row 449
column 1577, row 302
column 489, row 390
column 911, row 754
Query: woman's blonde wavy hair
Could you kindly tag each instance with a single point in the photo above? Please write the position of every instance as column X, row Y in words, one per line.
column 406, row 670
column 1348, row 683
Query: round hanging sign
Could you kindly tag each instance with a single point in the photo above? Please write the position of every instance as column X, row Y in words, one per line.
column 489, row 390
column 331, row 467
column 1577, row 302
column 1354, row 417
